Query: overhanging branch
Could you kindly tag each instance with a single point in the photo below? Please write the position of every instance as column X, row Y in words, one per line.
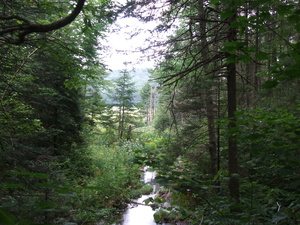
column 28, row 27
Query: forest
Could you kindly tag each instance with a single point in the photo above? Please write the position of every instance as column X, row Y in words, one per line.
column 218, row 119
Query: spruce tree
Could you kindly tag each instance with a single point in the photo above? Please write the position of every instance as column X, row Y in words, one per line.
column 123, row 100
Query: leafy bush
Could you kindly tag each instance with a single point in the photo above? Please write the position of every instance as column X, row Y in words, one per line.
column 115, row 180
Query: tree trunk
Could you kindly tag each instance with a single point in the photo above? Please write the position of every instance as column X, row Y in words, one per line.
column 150, row 113
column 231, row 98
column 209, row 96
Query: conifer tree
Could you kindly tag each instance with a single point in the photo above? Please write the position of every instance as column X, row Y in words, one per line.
column 123, row 99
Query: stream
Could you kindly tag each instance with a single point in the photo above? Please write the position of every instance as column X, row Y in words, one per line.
column 141, row 214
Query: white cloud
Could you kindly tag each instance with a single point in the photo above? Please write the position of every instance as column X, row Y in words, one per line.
column 124, row 43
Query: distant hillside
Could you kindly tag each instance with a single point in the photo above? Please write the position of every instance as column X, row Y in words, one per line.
column 140, row 78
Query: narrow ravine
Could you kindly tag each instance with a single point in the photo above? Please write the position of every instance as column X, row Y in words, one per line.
column 138, row 213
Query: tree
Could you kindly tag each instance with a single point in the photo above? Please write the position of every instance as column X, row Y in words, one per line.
column 232, row 107
column 42, row 119
column 43, row 136
column 149, row 101
column 244, row 46
column 123, row 99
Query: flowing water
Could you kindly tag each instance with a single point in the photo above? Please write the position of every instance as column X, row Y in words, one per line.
column 141, row 214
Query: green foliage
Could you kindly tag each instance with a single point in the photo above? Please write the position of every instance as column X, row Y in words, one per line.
column 35, row 197
column 145, row 93
column 51, row 88
column 115, row 181
column 165, row 216
column 269, row 141
column 273, row 140
column 118, row 173
column 123, row 100
column 43, row 152
column 162, row 120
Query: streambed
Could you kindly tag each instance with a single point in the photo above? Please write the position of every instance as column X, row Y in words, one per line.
column 138, row 213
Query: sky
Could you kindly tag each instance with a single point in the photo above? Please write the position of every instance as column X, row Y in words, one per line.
column 122, row 48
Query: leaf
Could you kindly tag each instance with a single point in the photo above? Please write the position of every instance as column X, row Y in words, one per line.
column 233, row 46
column 245, row 58
column 62, row 191
column 297, row 27
column 265, row 15
column 46, row 185
column 258, row 2
column 7, row 218
column 262, row 55
column 220, row 172
column 227, row 13
column 284, row 9
column 214, row 2
column 232, row 59
column 292, row 72
column 293, row 18
column 26, row 173
column 68, row 195
column 91, row 187
column 278, row 217
column 7, row 185
column 157, row 218
column 270, row 84
column 148, row 200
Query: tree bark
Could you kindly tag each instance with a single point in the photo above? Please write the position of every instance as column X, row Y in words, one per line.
column 209, row 95
column 231, row 98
